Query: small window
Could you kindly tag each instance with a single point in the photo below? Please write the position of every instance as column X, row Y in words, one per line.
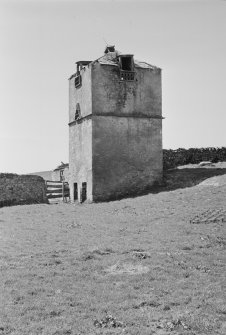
column 77, row 112
column 78, row 81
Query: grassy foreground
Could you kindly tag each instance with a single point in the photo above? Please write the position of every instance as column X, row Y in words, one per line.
column 135, row 266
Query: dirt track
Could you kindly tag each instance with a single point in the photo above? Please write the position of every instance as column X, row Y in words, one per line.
column 66, row 268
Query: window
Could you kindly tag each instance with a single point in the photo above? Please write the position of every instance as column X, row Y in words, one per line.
column 78, row 78
column 77, row 112
column 78, row 81
column 126, row 63
column 126, row 68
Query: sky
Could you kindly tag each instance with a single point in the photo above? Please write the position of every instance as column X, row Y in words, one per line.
column 40, row 41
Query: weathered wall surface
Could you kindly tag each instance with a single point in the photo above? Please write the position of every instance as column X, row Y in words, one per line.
column 127, row 132
column 127, row 155
column 81, row 95
column 139, row 97
column 118, row 149
column 21, row 189
column 80, row 156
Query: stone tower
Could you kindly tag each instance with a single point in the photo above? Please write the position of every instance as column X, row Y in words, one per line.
column 115, row 127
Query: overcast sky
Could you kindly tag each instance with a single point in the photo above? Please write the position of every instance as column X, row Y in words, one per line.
column 40, row 42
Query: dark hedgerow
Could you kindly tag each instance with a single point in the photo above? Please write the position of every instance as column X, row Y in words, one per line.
column 174, row 158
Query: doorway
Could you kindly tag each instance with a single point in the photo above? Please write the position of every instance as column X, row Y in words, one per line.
column 84, row 192
column 75, row 191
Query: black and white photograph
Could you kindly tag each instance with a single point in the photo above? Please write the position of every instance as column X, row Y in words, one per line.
column 112, row 167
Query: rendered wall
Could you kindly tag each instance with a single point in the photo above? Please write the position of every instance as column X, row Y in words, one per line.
column 81, row 95
column 127, row 156
column 127, row 132
column 80, row 135
column 143, row 96
column 80, row 157
column 21, row 189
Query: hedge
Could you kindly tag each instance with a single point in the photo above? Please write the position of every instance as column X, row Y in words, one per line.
column 174, row 158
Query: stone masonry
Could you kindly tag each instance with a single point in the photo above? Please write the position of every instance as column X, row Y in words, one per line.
column 21, row 189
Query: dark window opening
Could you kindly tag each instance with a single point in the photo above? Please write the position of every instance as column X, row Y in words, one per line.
column 75, row 191
column 126, row 68
column 78, row 78
column 77, row 112
column 84, row 192
column 126, row 75
column 126, row 63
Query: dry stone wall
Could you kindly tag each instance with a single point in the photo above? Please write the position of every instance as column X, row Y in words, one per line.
column 21, row 189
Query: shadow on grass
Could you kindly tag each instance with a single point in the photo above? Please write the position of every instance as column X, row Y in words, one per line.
column 175, row 179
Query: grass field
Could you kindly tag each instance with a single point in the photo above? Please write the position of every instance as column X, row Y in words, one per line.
column 135, row 266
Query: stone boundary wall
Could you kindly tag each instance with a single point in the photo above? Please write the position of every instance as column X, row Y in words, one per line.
column 174, row 158
column 21, row 189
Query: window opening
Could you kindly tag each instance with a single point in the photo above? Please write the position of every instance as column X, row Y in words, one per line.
column 77, row 112
column 78, row 80
column 75, row 191
column 84, row 192
column 127, row 68
column 126, row 63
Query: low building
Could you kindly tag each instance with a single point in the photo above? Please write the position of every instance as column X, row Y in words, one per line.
column 61, row 173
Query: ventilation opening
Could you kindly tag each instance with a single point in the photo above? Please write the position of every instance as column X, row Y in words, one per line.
column 78, row 81
column 84, row 192
column 78, row 112
column 126, row 63
column 75, row 191
column 127, row 75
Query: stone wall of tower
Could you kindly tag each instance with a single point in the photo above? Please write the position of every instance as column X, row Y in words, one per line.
column 110, row 95
column 81, row 95
column 80, row 135
column 127, row 132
